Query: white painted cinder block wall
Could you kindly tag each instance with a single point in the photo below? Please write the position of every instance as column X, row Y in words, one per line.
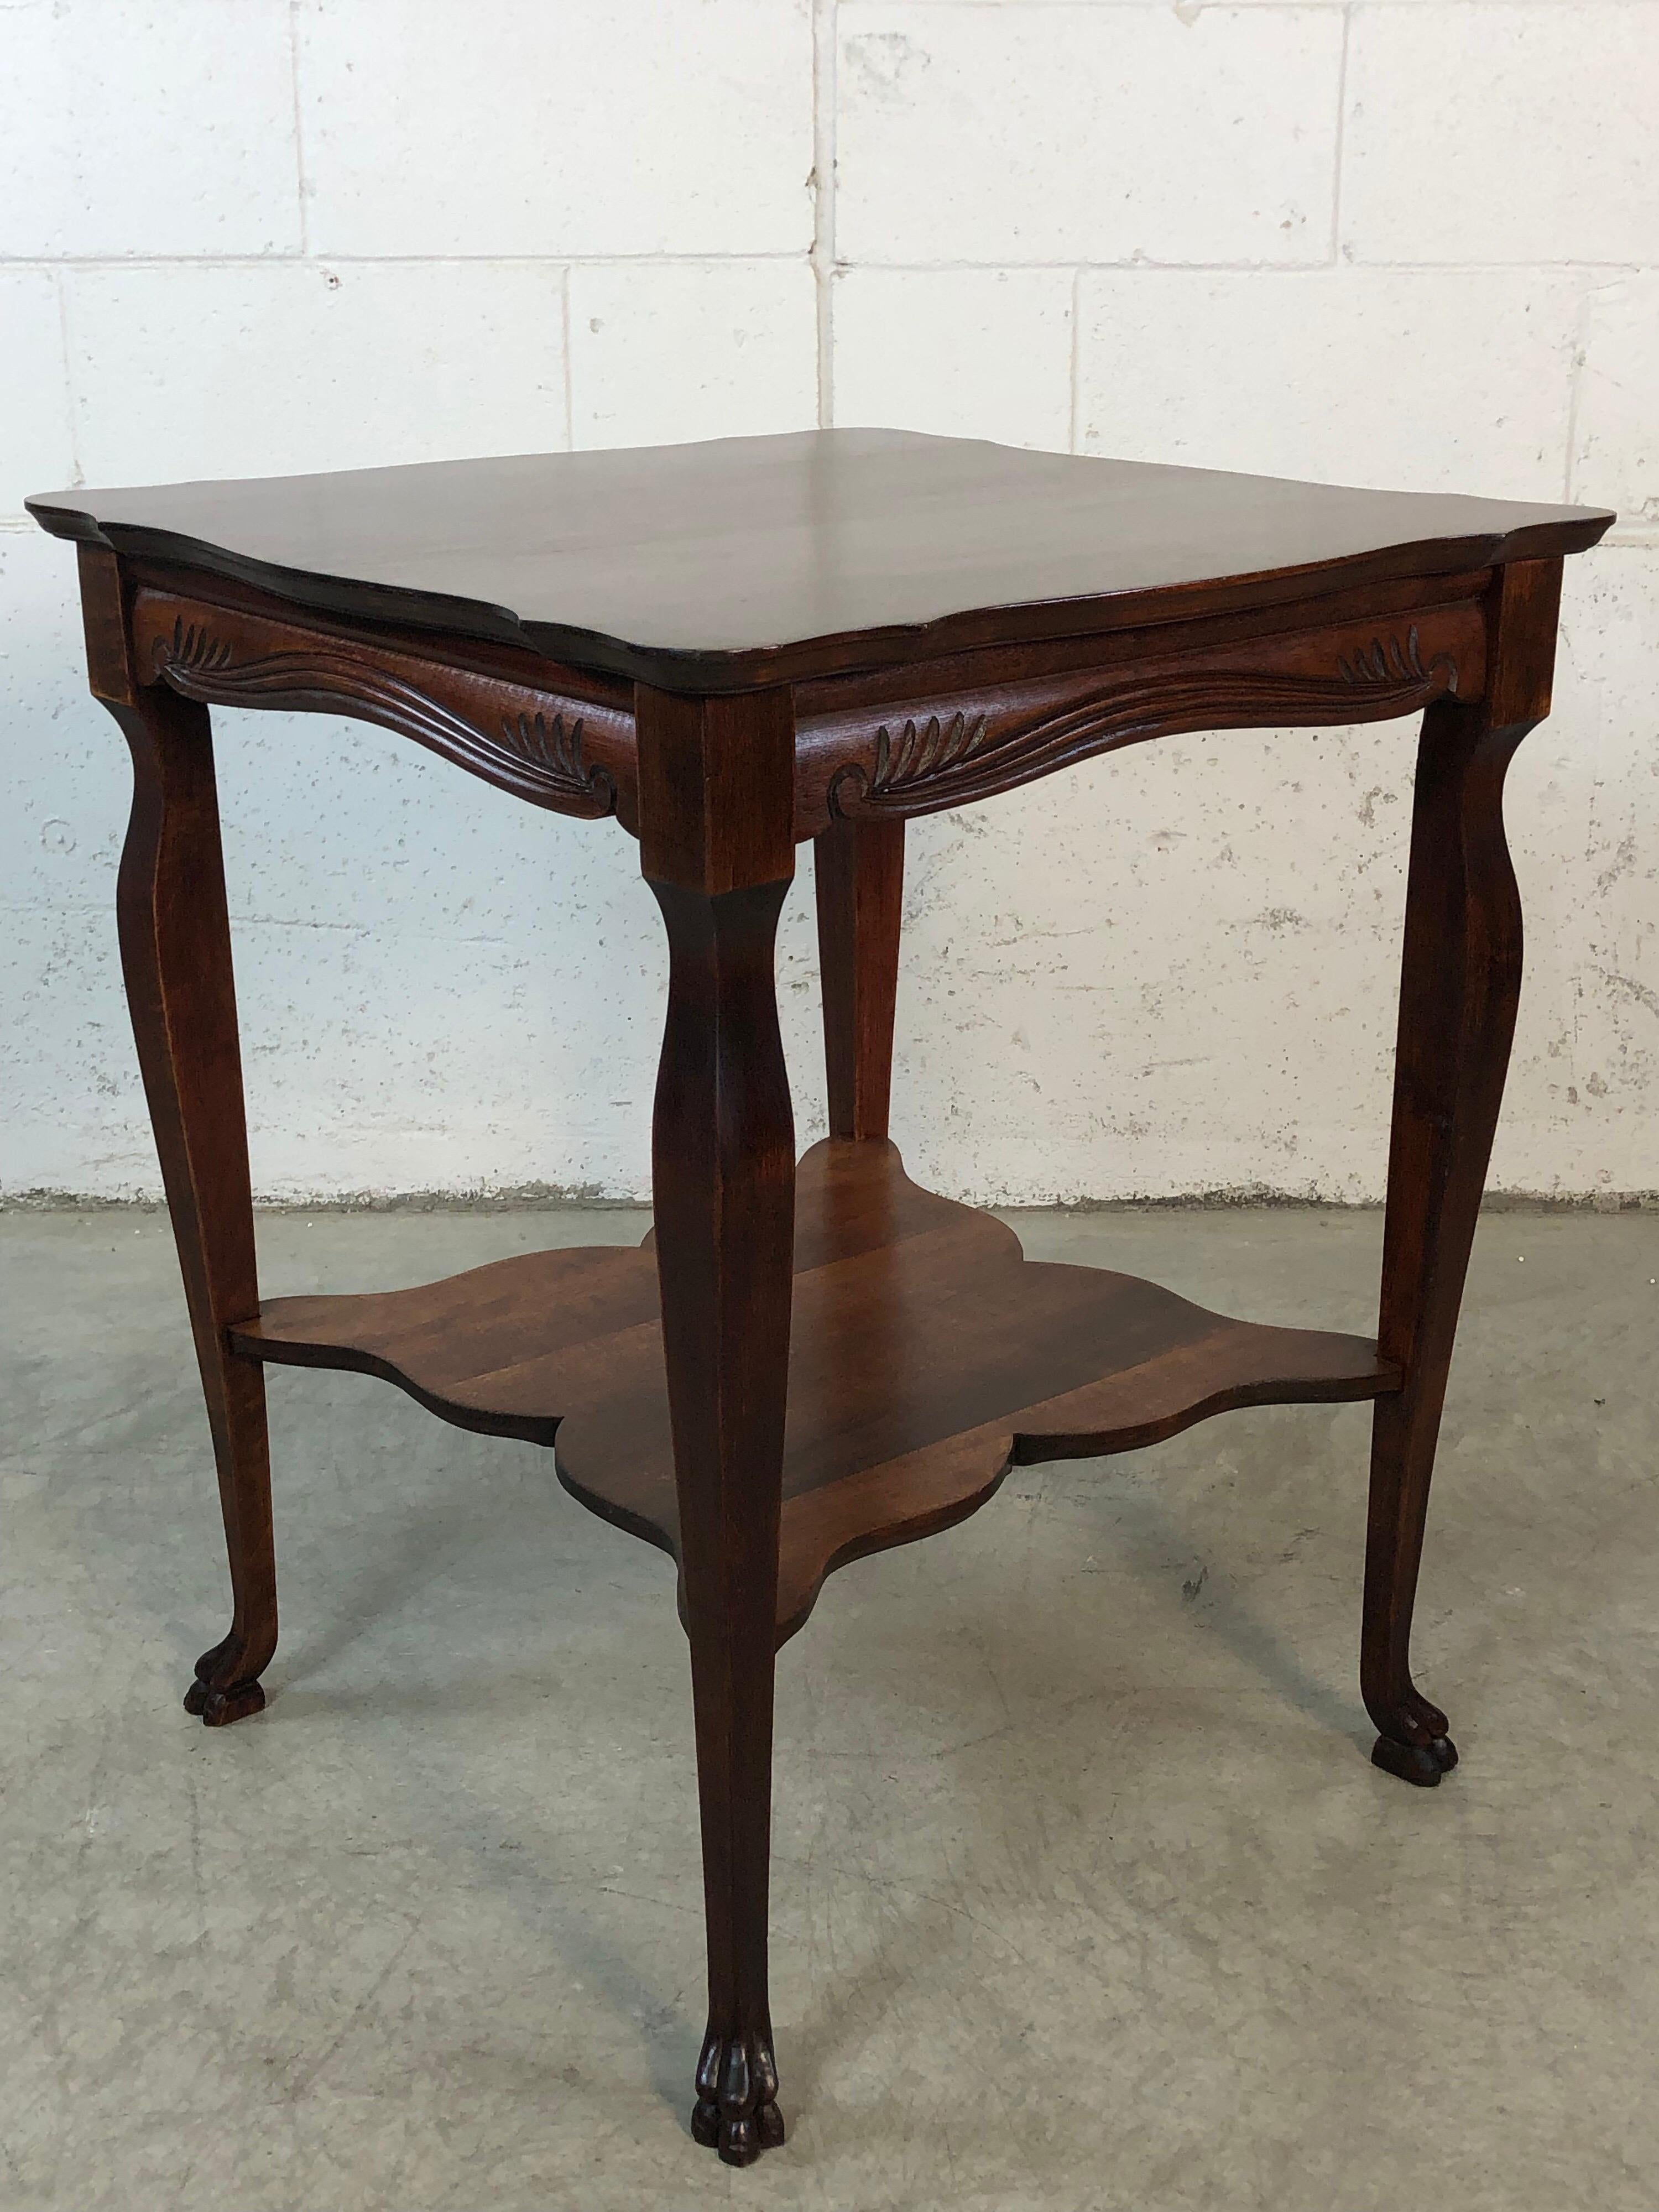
column 1413, row 242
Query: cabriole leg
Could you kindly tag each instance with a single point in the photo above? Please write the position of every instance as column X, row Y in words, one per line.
column 1460, row 988
column 175, row 955
column 715, row 836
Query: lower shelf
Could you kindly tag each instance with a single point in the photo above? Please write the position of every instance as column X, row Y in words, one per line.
column 928, row 1356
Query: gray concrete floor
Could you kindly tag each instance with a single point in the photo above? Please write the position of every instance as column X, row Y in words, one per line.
column 1084, row 1895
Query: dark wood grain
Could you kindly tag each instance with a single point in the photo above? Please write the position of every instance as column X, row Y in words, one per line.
column 957, row 746
column 735, row 646
column 564, row 738
column 175, row 957
column 717, row 848
column 760, row 560
column 858, row 880
column 926, row 1357
column 1460, row 988
column 543, row 744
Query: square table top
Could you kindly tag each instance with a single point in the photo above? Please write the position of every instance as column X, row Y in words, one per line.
column 740, row 562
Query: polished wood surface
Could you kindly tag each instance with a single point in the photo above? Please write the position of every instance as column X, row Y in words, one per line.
column 927, row 1356
column 752, row 561
column 1012, row 716
column 731, row 649
column 858, row 882
column 551, row 741
column 1460, row 988
column 882, row 747
column 174, row 929
column 717, row 848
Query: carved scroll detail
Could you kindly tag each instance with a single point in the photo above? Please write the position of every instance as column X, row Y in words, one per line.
column 508, row 733
column 957, row 756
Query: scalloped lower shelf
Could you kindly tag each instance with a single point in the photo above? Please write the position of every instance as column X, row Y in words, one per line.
column 928, row 1355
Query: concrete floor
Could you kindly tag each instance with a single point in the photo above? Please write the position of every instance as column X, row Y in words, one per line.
column 1085, row 1894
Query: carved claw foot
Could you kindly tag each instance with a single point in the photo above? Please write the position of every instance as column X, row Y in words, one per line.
column 1423, row 1764
column 1414, row 1742
column 217, row 1702
column 218, row 1708
column 737, row 2110
column 1424, row 1759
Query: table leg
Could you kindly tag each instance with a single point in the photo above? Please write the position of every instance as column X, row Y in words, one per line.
column 716, row 839
column 859, row 870
column 175, row 955
column 1460, row 986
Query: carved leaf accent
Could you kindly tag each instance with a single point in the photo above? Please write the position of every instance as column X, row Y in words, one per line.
column 546, row 740
column 933, row 748
column 953, row 759
column 533, row 751
column 1389, row 661
column 194, row 650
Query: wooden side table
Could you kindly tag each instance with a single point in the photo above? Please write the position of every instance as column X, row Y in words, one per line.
column 731, row 648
